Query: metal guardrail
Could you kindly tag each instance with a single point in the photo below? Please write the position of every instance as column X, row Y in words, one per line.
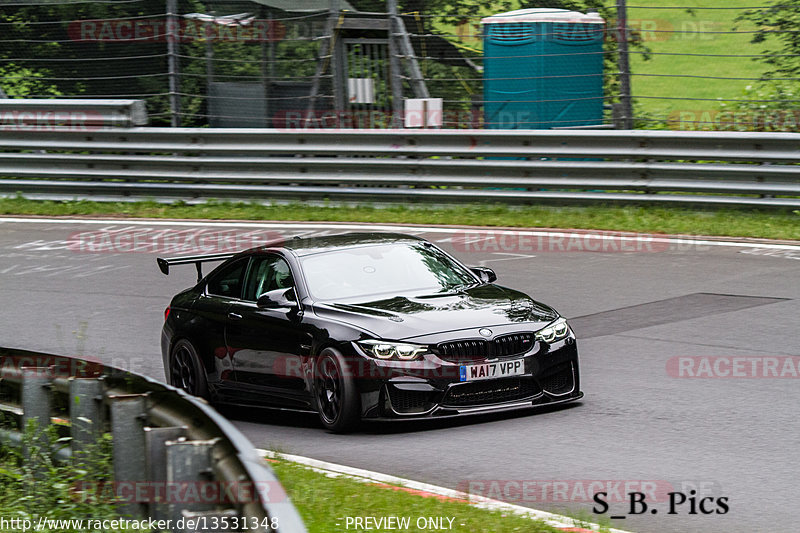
column 510, row 166
column 164, row 440
column 78, row 114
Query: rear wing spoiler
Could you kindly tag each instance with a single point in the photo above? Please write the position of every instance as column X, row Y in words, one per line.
column 197, row 260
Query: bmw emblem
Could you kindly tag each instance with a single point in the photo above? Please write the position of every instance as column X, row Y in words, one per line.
column 486, row 332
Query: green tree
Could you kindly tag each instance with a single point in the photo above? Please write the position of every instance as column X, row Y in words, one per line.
column 42, row 53
column 778, row 32
column 771, row 104
column 19, row 81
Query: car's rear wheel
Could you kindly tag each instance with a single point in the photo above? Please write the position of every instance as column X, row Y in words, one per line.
column 185, row 371
column 338, row 403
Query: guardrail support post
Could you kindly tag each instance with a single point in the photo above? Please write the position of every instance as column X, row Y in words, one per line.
column 85, row 412
column 155, row 441
column 188, row 462
column 128, row 417
column 36, row 404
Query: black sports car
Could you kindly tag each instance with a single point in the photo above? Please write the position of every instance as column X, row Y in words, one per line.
column 364, row 326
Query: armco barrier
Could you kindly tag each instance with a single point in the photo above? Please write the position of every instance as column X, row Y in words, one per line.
column 162, row 438
column 374, row 166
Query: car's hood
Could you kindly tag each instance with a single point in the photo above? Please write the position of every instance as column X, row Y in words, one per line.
column 404, row 317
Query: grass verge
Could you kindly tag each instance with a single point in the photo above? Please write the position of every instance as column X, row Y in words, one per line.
column 676, row 36
column 325, row 503
column 733, row 222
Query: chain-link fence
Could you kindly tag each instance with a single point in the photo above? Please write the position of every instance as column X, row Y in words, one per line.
column 376, row 64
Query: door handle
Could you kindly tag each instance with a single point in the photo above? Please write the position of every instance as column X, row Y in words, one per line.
column 234, row 316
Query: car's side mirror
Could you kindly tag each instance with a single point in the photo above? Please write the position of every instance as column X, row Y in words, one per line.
column 278, row 298
column 485, row 274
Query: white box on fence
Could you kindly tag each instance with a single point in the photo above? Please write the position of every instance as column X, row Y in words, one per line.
column 423, row 113
column 361, row 90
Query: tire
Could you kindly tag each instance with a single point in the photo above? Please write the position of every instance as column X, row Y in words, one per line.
column 338, row 401
column 185, row 370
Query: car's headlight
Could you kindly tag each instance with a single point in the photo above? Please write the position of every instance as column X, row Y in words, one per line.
column 554, row 332
column 392, row 350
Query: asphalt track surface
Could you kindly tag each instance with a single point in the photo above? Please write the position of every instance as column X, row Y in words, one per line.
column 634, row 309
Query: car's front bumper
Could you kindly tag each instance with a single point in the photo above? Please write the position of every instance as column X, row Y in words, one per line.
column 449, row 412
column 433, row 388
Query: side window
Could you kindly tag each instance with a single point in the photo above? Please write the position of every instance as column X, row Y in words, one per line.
column 228, row 281
column 267, row 274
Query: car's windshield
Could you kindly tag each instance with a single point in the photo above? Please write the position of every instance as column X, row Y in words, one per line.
column 401, row 269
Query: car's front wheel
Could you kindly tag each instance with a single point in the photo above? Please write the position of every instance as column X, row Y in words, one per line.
column 338, row 402
column 186, row 371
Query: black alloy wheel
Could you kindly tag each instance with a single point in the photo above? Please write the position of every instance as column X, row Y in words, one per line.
column 335, row 391
column 186, row 371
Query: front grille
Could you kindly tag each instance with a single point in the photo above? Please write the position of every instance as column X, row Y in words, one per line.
column 514, row 344
column 465, row 351
column 404, row 401
column 491, row 391
column 561, row 382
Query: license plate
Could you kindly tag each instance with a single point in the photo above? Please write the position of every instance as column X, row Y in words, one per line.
column 499, row 369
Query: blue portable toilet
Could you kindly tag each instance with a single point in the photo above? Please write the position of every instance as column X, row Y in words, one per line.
column 543, row 68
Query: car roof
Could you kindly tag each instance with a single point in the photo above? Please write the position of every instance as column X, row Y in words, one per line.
column 303, row 246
